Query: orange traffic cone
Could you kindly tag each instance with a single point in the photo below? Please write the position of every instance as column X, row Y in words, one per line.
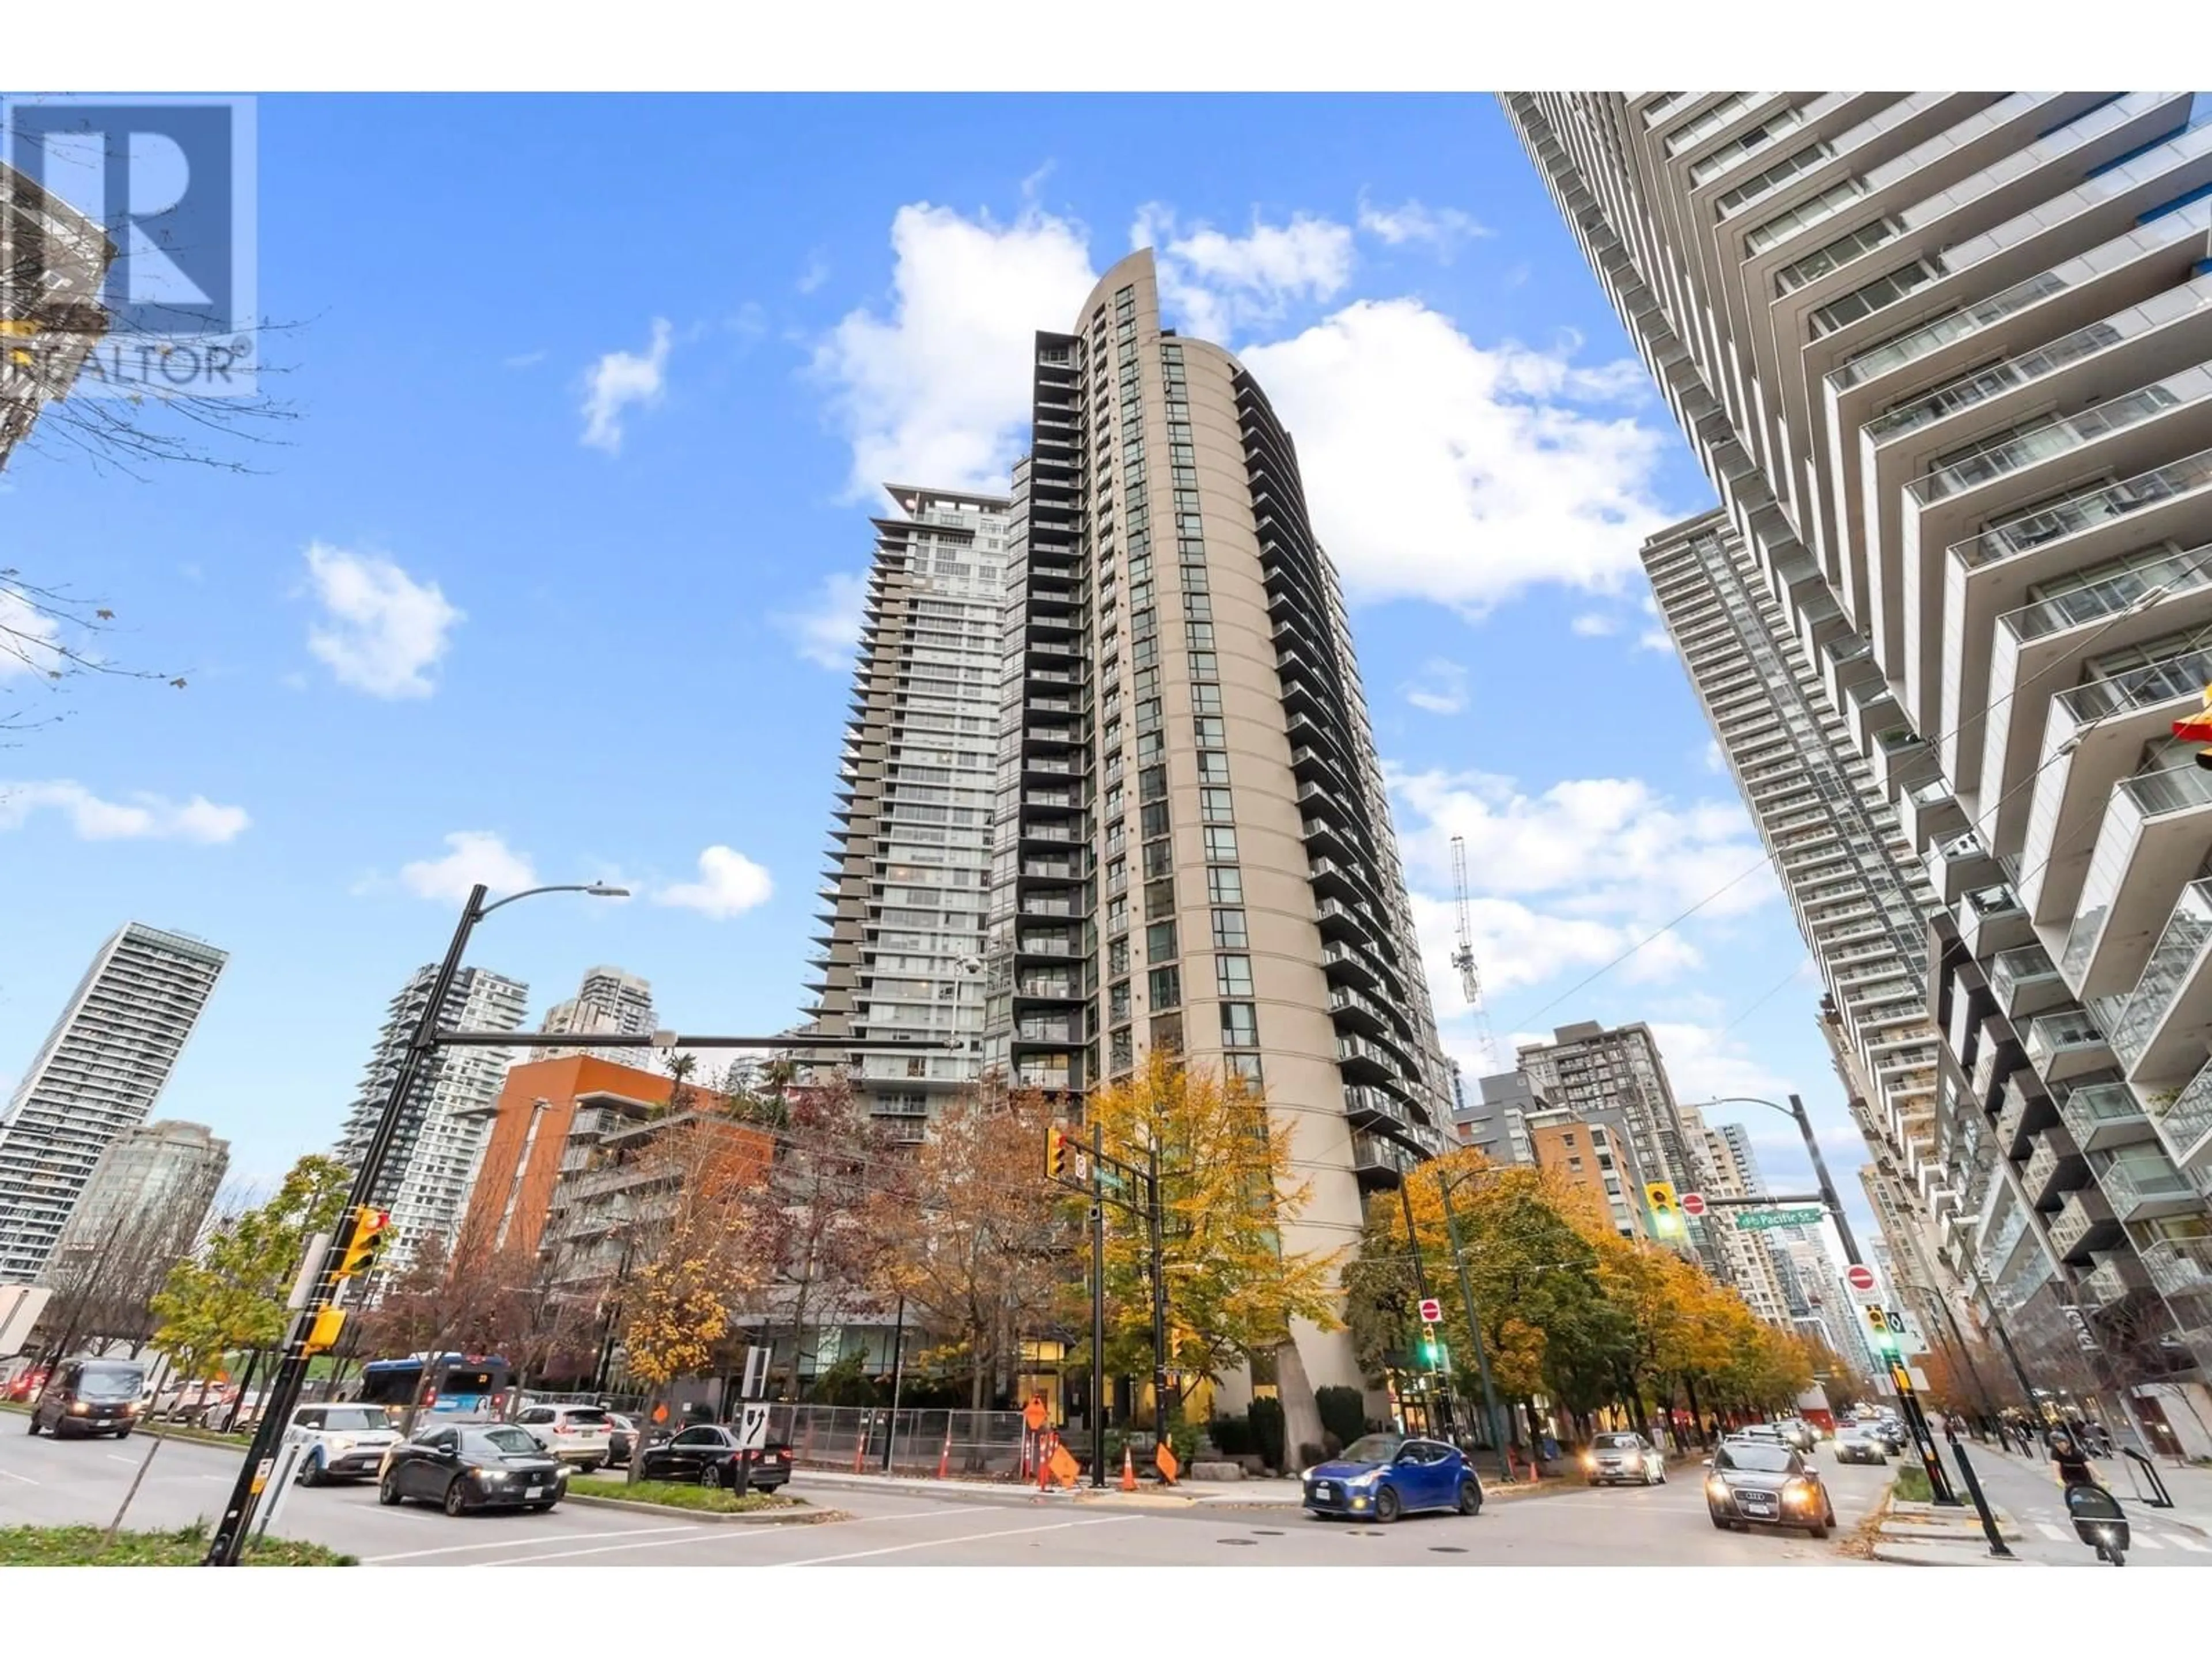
column 1128, row 1469
column 945, row 1457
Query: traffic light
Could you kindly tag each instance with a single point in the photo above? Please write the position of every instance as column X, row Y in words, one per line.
column 1666, row 1210
column 323, row 1334
column 1055, row 1152
column 1885, row 1334
column 1433, row 1353
column 364, row 1241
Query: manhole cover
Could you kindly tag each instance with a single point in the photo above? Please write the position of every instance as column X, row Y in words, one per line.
column 1244, row 1542
column 1446, row 1549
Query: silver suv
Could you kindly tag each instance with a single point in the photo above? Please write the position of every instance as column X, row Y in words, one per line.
column 575, row 1434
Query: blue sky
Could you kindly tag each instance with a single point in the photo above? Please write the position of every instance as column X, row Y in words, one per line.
column 554, row 573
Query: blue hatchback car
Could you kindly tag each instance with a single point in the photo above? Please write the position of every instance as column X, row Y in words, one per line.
column 1381, row 1477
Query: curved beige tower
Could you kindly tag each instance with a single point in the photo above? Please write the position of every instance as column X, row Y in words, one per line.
column 1193, row 847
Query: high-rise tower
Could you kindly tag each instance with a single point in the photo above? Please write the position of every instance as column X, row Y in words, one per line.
column 609, row 1003
column 97, row 1075
column 1191, row 850
column 431, row 1163
column 1947, row 358
column 911, row 857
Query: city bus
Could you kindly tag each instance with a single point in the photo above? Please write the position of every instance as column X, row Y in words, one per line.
column 465, row 1385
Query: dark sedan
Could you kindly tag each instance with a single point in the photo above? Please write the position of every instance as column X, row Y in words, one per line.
column 708, row 1455
column 1860, row 1445
column 462, row 1468
column 1383, row 1476
column 1758, row 1483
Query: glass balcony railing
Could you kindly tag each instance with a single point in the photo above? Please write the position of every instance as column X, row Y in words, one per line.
column 2030, row 965
column 2153, row 683
column 2096, row 1107
column 2164, row 574
column 1993, row 382
column 2179, row 1266
column 2171, row 960
column 2186, row 1117
column 2082, row 1212
column 2175, row 789
column 2142, row 1182
column 2104, row 1286
column 1934, row 336
column 2042, row 442
column 2092, row 506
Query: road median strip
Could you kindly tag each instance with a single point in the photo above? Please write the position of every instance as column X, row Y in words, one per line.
column 710, row 1503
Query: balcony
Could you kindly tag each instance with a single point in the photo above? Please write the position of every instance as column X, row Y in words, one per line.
column 2180, row 1267
column 2099, row 1115
column 2090, row 509
column 2049, row 439
column 1364, row 1103
column 1045, row 945
column 2054, row 1168
column 2066, row 1043
column 1045, row 1030
column 2026, row 983
column 2153, row 839
column 1380, row 1161
column 1957, row 867
column 2106, row 1284
column 1990, row 920
column 1341, row 920
column 1365, row 1061
column 2142, row 1186
column 2163, row 1028
column 2084, row 1223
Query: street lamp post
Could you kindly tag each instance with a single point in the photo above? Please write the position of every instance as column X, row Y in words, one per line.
column 284, row 1389
column 1440, row 1385
column 1497, row 1437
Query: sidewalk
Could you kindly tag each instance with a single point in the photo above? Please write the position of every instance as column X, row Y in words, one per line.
column 2188, row 1485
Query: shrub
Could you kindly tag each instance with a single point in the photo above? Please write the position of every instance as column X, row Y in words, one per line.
column 1232, row 1436
column 1267, row 1431
column 1309, row 1453
column 1343, row 1412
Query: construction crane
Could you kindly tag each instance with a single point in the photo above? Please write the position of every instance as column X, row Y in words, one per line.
column 1470, row 977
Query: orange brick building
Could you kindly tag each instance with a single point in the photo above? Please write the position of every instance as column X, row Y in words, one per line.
column 530, row 1124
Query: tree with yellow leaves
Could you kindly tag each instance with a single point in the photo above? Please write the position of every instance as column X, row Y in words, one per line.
column 1228, row 1189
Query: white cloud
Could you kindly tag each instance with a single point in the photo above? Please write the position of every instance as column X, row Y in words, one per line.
column 382, row 629
column 729, row 884
column 1215, row 283
column 619, row 379
column 1715, row 761
column 1595, row 624
column 143, row 817
column 29, row 638
column 1703, row 1064
column 1413, row 221
column 1445, row 689
column 816, row 274
column 525, row 359
column 1441, row 469
column 1654, row 638
column 827, row 632
column 472, row 856
column 937, row 391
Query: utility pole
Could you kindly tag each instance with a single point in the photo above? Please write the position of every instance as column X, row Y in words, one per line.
column 1474, row 1333
column 1155, row 1220
column 1924, row 1437
column 1098, row 1305
column 898, row 1378
column 1440, row 1386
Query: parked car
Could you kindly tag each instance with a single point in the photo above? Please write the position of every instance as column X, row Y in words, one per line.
column 464, row 1467
column 342, row 1443
column 1751, row 1483
column 575, row 1434
column 708, row 1454
column 1387, row 1476
column 621, row 1438
column 1613, row 1457
column 1860, row 1445
column 88, row 1396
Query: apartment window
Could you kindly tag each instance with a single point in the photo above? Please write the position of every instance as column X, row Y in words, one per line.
column 1118, row 1002
column 1865, row 301
column 1159, row 859
column 1232, row 976
column 1575, row 1165
column 1166, row 987
column 1240, row 1025
column 1223, row 885
column 1160, row 941
column 1206, row 699
column 1213, row 732
column 1245, row 1068
column 1228, row 933
column 1152, row 820
column 1200, row 636
column 1204, row 665
column 1167, row 1034
column 1212, row 766
column 1121, row 1051
column 1117, row 953
column 1159, row 900
column 1152, row 783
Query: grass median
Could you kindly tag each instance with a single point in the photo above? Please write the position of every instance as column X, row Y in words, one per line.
column 88, row 1547
column 1912, row 1486
column 711, row 1500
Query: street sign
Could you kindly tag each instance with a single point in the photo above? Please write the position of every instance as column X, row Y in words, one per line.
column 1859, row 1277
column 1693, row 1203
column 1433, row 1312
column 755, row 1382
column 1760, row 1220
column 753, row 1427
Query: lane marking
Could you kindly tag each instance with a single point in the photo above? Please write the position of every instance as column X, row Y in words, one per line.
column 2189, row 1543
column 118, row 1458
column 25, row 1479
column 966, row 1538
column 562, row 1555
column 510, row 1543
column 2052, row 1533
column 2145, row 1542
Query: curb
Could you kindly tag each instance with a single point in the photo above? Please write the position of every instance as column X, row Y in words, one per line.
column 764, row 1518
column 1921, row 1555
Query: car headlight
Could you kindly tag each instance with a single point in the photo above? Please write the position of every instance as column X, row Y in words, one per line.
column 492, row 1477
column 78, row 1408
column 1590, row 1460
column 1798, row 1492
column 1366, row 1479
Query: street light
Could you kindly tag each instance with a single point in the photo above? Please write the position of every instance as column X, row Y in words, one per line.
column 284, row 1392
column 1497, row 1437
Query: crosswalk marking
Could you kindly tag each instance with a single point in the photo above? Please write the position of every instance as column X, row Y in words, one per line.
column 2051, row 1532
column 2143, row 1541
column 2189, row 1543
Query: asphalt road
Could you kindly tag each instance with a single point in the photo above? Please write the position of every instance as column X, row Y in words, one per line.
column 43, row 1480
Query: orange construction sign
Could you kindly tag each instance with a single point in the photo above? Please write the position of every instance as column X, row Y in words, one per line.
column 1164, row 1457
column 1033, row 1414
column 660, row 1413
column 1065, row 1469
